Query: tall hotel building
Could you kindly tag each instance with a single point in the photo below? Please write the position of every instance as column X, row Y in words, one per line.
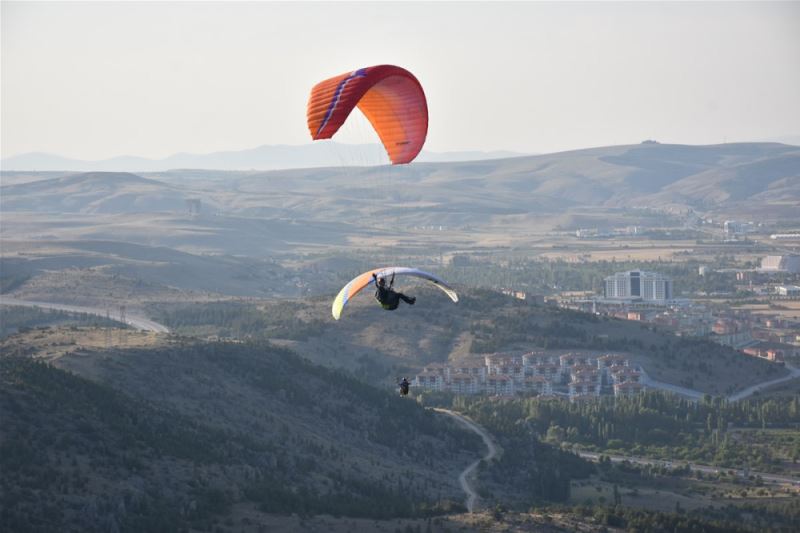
column 638, row 285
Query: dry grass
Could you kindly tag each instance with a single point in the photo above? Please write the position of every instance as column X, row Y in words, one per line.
column 54, row 343
column 786, row 309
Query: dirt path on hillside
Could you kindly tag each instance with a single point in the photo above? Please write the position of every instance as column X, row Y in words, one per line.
column 466, row 474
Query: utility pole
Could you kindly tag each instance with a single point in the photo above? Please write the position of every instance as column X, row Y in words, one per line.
column 107, row 328
column 123, row 333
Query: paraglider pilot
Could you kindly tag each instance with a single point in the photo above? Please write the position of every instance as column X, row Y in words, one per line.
column 404, row 387
column 387, row 296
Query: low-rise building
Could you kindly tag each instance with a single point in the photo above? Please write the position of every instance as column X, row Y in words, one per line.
column 772, row 351
column 606, row 361
column 627, row 388
column 464, row 384
column 590, row 376
column 626, row 374
column 572, row 359
column 584, row 367
column 430, row 381
column 787, row 290
column 538, row 385
column 472, row 367
column 497, row 360
column 499, row 385
column 550, row 371
column 537, row 358
column 578, row 389
column 439, row 368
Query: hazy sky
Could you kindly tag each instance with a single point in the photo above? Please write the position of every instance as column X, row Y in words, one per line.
column 95, row 80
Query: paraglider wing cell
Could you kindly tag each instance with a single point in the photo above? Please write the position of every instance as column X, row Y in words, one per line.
column 390, row 97
column 363, row 280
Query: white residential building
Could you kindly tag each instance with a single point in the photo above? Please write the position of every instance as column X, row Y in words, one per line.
column 588, row 376
column 550, row 371
column 532, row 359
column 475, row 367
column 609, row 360
column 464, row 384
column 537, row 384
column 579, row 390
column 430, row 381
column 628, row 388
column 499, row 385
column 496, row 361
column 625, row 374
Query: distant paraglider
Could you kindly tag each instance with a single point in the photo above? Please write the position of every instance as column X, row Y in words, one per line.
column 404, row 387
column 390, row 97
column 363, row 280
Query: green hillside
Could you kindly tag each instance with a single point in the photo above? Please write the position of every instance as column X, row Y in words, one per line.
column 176, row 437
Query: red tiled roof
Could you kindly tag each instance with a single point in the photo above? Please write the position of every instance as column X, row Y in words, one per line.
column 468, row 364
column 535, row 379
column 628, row 385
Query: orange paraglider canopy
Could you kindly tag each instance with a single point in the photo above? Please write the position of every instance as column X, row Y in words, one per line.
column 390, row 97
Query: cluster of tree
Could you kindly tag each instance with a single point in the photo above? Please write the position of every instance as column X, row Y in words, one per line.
column 11, row 280
column 535, row 275
column 511, row 321
column 277, row 319
column 651, row 424
column 14, row 318
column 549, row 276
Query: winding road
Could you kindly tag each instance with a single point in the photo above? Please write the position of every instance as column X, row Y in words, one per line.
column 491, row 453
column 692, row 394
column 794, row 372
column 132, row 319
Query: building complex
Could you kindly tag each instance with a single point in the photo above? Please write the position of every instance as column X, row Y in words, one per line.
column 578, row 375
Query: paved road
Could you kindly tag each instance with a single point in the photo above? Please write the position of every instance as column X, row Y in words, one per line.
column 132, row 319
column 692, row 466
column 683, row 391
column 794, row 373
column 491, row 453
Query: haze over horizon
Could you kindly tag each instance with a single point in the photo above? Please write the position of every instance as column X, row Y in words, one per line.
column 95, row 81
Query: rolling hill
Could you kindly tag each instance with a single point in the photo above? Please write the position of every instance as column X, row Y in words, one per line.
column 636, row 175
column 95, row 193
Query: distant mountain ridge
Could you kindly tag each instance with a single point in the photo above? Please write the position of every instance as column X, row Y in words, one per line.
column 444, row 193
column 266, row 157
